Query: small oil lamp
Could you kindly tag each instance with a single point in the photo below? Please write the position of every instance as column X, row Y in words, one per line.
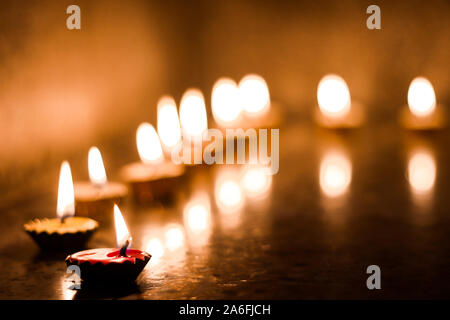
column 168, row 125
column 422, row 113
column 97, row 197
column 194, row 123
column 111, row 266
column 66, row 231
column 254, row 97
column 154, row 176
column 225, row 104
column 336, row 110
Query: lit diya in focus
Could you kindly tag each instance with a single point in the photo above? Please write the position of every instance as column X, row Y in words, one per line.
column 96, row 198
column 154, row 177
column 111, row 265
column 336, row 110
column 422, row 113
column 65, row 231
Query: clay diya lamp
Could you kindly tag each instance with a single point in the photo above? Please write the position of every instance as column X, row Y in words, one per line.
column 96, row 198
column 336, row 110
column 240, row 111
column 66, row 231
column 111, row 266
column 194, row 126
column 154, row 177
column 259, row 111
column 422, row 112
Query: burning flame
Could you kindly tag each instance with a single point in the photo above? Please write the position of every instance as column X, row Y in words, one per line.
column 193, row 113
column 421, row 97
column 168, row 123
column 148, row 144
column 421, row 172
column 97, row 172
column 256, row 181
column 333, row 96
column 122, row 233
column 254, row 95
column 225, row 101
column 66, row 199
column 335, row 174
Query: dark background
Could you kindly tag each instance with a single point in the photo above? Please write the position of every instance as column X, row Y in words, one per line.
column 62, row 91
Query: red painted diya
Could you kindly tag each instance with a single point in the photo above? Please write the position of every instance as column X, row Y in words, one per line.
column 107, row 266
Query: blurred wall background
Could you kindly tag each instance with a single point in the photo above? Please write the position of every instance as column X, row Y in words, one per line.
column 62, row 91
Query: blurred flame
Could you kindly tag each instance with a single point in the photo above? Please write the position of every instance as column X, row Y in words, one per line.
column 197, row 219
column 122, row 233
column 335, row 174
column 225, row 101
column 421, row 97
column 421, row 172
column 97, row 172
column 148, row 144
column 66, row 199
column 168, row 123
column 155, row 247
column 193, row 113
column 333, row 96
column 254, row 95
column 228, row 192
column 174, row 237
column 256, row 181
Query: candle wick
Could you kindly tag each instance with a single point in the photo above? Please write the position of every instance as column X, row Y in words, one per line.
column 123, row 250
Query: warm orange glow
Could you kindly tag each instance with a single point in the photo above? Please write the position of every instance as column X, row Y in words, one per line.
column 421, row 97
column 122, row 233
column 155, row 247
column 256, row 181
column 197, row 214
column 333, row 96
column 225, row 101
column 97, row 172
column 421, row 172
column 169, row 129
column 148, row 144
column 66, row 198
column 174, row 237
column 193, row 113
column 335, row 174
column 228, row 192
column 254, row 95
